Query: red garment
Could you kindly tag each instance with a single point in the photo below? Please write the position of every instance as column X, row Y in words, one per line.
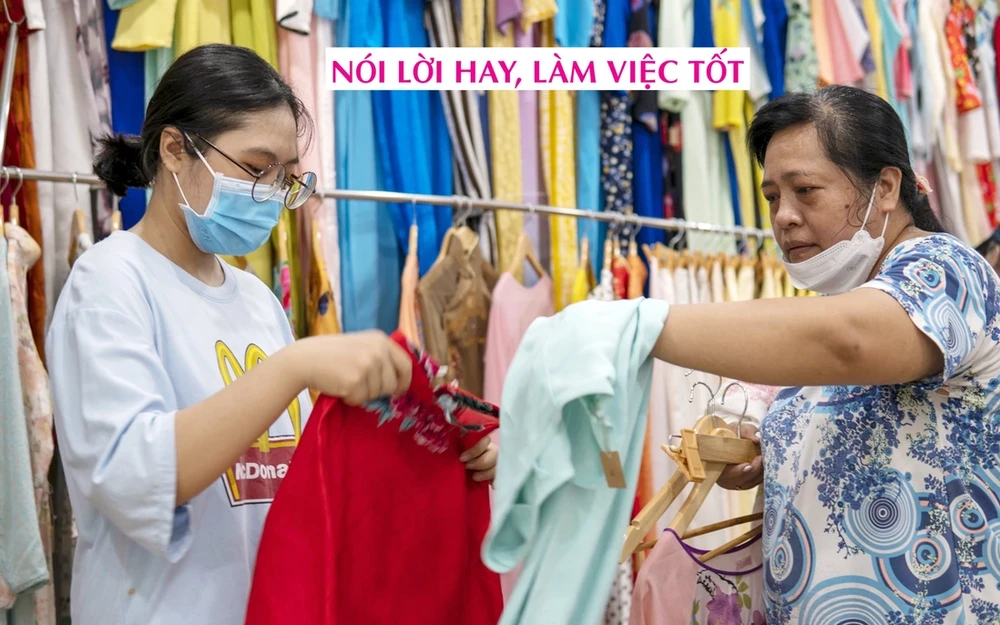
column 19, row 151
column 373, row 526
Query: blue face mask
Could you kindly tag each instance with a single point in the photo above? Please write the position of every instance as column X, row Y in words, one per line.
column 233, row 223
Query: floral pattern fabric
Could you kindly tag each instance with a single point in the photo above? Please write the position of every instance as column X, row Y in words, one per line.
column 882, row 503
column 801, row 62
column 675, row 586
column 616, row 152
column 432, row 416
column 959, row 18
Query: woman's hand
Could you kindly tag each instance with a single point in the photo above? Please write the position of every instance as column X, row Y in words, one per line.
column 744, row 476
column 356, row 367
column 482, row 459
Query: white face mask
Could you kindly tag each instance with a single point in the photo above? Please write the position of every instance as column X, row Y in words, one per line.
column 844, row 265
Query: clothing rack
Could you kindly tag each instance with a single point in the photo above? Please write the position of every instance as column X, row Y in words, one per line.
column 620, row 220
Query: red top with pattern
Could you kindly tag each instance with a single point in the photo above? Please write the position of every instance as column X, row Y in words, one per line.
column 377, row 521
column 968, row 94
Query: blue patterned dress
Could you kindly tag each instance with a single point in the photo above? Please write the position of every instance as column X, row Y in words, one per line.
column 882, row 503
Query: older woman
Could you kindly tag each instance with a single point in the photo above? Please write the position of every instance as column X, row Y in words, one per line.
column 881, row 453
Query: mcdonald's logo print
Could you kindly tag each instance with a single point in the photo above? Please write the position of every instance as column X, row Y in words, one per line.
column 255, row 477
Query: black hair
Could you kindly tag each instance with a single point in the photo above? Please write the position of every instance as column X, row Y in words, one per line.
column 205, row 92
column 860, row 133
column 994, row 241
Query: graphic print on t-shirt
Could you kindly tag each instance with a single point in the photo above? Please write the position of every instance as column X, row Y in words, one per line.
column 256, row 475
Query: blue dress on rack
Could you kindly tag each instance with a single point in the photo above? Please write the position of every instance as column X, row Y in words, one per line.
column 414, row 147
column 125, row 70
column 370, row 257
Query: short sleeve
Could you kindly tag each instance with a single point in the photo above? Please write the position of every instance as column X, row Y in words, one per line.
column 115, row 408
column 942, row 288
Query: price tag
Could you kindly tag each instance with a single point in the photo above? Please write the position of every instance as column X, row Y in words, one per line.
column 613, row 472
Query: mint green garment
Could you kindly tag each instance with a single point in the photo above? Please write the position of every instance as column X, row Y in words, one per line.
column 553, row 511
column 22, row 559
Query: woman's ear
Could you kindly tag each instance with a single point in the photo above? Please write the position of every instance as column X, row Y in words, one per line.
column 889, row 184
column 172, row 152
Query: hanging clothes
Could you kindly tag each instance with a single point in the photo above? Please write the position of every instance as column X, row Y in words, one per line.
column 284, row 282
column 19, row 151
column 253, row 26
column 514, row 308
column 125, row 78
column 556, row 127
column 145, row 25
column 462, row 112
column 22, row 252
column 322, row 309
column 413, row 157
column 505, row 147
column 535, row 187
column 801, row 62
column 325, row 215
column 675, row 586
column 647, row 147
column 22, row 548
column 454, row 299
column 371, row 258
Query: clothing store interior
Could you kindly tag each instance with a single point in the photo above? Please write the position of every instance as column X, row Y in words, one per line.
column 562, row 359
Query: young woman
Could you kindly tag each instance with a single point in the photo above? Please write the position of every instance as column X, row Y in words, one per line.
column 881, row 454
column 179, row 393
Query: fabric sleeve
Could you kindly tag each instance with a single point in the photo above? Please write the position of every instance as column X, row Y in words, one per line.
column 942, row 290
column 115, row 408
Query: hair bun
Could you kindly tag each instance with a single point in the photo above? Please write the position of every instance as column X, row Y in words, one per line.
column 119, row 163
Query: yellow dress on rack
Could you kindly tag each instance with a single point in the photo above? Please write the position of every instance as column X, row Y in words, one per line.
column 505, row 148
column 730, row 109
column 870, row 9
column 200, row 22
column 557, row 130
column 322, row 309
column 254, row 27
column 583, row 283
column 145, row 25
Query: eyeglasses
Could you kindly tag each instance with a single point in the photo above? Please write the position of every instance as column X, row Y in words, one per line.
column 273, row 179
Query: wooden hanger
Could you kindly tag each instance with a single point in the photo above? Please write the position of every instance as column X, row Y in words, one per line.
column 15, row 211
column 736, row 542
column 116, row 220
column 525, row 252
column 704, row 452
column 411, row 246
column 584, row 253
column 77, row 226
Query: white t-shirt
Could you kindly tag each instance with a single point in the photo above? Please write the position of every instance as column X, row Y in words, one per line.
column 133, row 340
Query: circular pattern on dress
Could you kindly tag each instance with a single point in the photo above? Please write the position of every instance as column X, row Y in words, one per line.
column 927, row 571
column 886, row 522
column 991, row 551
column 967, row 518
column 790, row 561
column 944, row 314
column 847, row 601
